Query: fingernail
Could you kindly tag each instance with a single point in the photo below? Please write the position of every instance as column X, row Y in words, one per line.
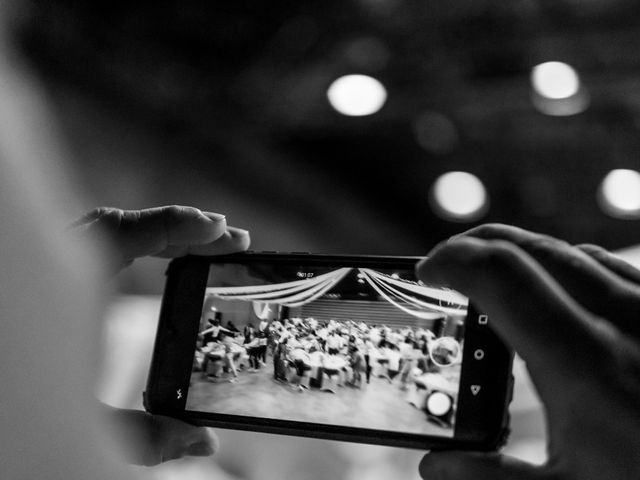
column 200, row 449
column 216, row 217
column 238, row 232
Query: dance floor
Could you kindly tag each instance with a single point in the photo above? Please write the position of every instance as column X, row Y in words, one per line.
column 378, row 405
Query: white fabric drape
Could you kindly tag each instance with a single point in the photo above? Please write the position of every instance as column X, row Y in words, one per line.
column 261, row 310
column 417, row 300
column 290, row 294
column 448, row 301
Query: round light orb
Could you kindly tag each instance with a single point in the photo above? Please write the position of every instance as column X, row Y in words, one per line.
column 459, row 196
column 619, row 194
column 356, row 95
column 439, row 404
column 555, row 80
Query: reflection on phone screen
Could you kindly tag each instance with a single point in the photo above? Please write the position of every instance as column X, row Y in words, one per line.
column 356, row 347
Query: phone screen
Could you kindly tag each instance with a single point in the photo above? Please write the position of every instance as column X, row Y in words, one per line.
column 369, row 348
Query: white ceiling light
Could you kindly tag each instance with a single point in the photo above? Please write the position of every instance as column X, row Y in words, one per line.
column 556, row 90
column 459, row 196
column 357, row 95
column 619, row 194
column 555, row 80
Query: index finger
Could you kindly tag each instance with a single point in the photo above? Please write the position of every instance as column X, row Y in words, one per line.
column 528, row 309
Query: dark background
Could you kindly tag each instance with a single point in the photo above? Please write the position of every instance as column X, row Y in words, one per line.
column 223, row 105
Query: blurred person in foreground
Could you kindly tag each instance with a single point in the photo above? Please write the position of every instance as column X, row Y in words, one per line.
column 571, row 312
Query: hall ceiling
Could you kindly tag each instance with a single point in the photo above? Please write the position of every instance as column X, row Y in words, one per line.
column 251, row 79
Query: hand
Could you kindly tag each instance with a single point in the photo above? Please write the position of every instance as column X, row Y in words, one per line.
column 167, row 232
column 173, row 231
column 573, row 314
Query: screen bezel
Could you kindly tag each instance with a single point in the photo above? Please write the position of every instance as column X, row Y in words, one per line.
column 481, row 418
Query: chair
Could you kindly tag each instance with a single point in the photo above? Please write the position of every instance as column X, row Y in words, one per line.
column 417, row 395
column 330, row 381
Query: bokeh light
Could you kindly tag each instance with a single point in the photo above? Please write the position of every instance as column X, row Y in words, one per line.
column 459, row 196
column 619, row 194
column 555, row 80
column 557, row 90
column 357, row 95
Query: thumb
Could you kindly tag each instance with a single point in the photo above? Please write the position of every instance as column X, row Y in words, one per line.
column 476, row 466
column 145, row 439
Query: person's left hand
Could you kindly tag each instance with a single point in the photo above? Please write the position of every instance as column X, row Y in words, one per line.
column 168, row 232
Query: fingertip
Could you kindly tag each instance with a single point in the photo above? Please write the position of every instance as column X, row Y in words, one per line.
column 193, row 226
column 476, row 466
column 423, row 264
column 200, row 449
column 447, row 257
column 421, row 267
column 205, row 445
column 240, row 238
column 493, row 230
column 214, row 217
column 238, row 232
column 214, row 439
column 440, row 465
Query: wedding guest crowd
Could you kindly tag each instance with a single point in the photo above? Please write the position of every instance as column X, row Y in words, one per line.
column 307, row 353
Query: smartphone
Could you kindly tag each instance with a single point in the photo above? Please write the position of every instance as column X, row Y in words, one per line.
column 349, row 348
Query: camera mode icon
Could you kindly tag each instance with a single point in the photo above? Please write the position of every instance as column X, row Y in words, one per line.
column 483, row 319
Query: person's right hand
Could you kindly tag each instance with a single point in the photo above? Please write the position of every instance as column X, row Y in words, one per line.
column 573, row 314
